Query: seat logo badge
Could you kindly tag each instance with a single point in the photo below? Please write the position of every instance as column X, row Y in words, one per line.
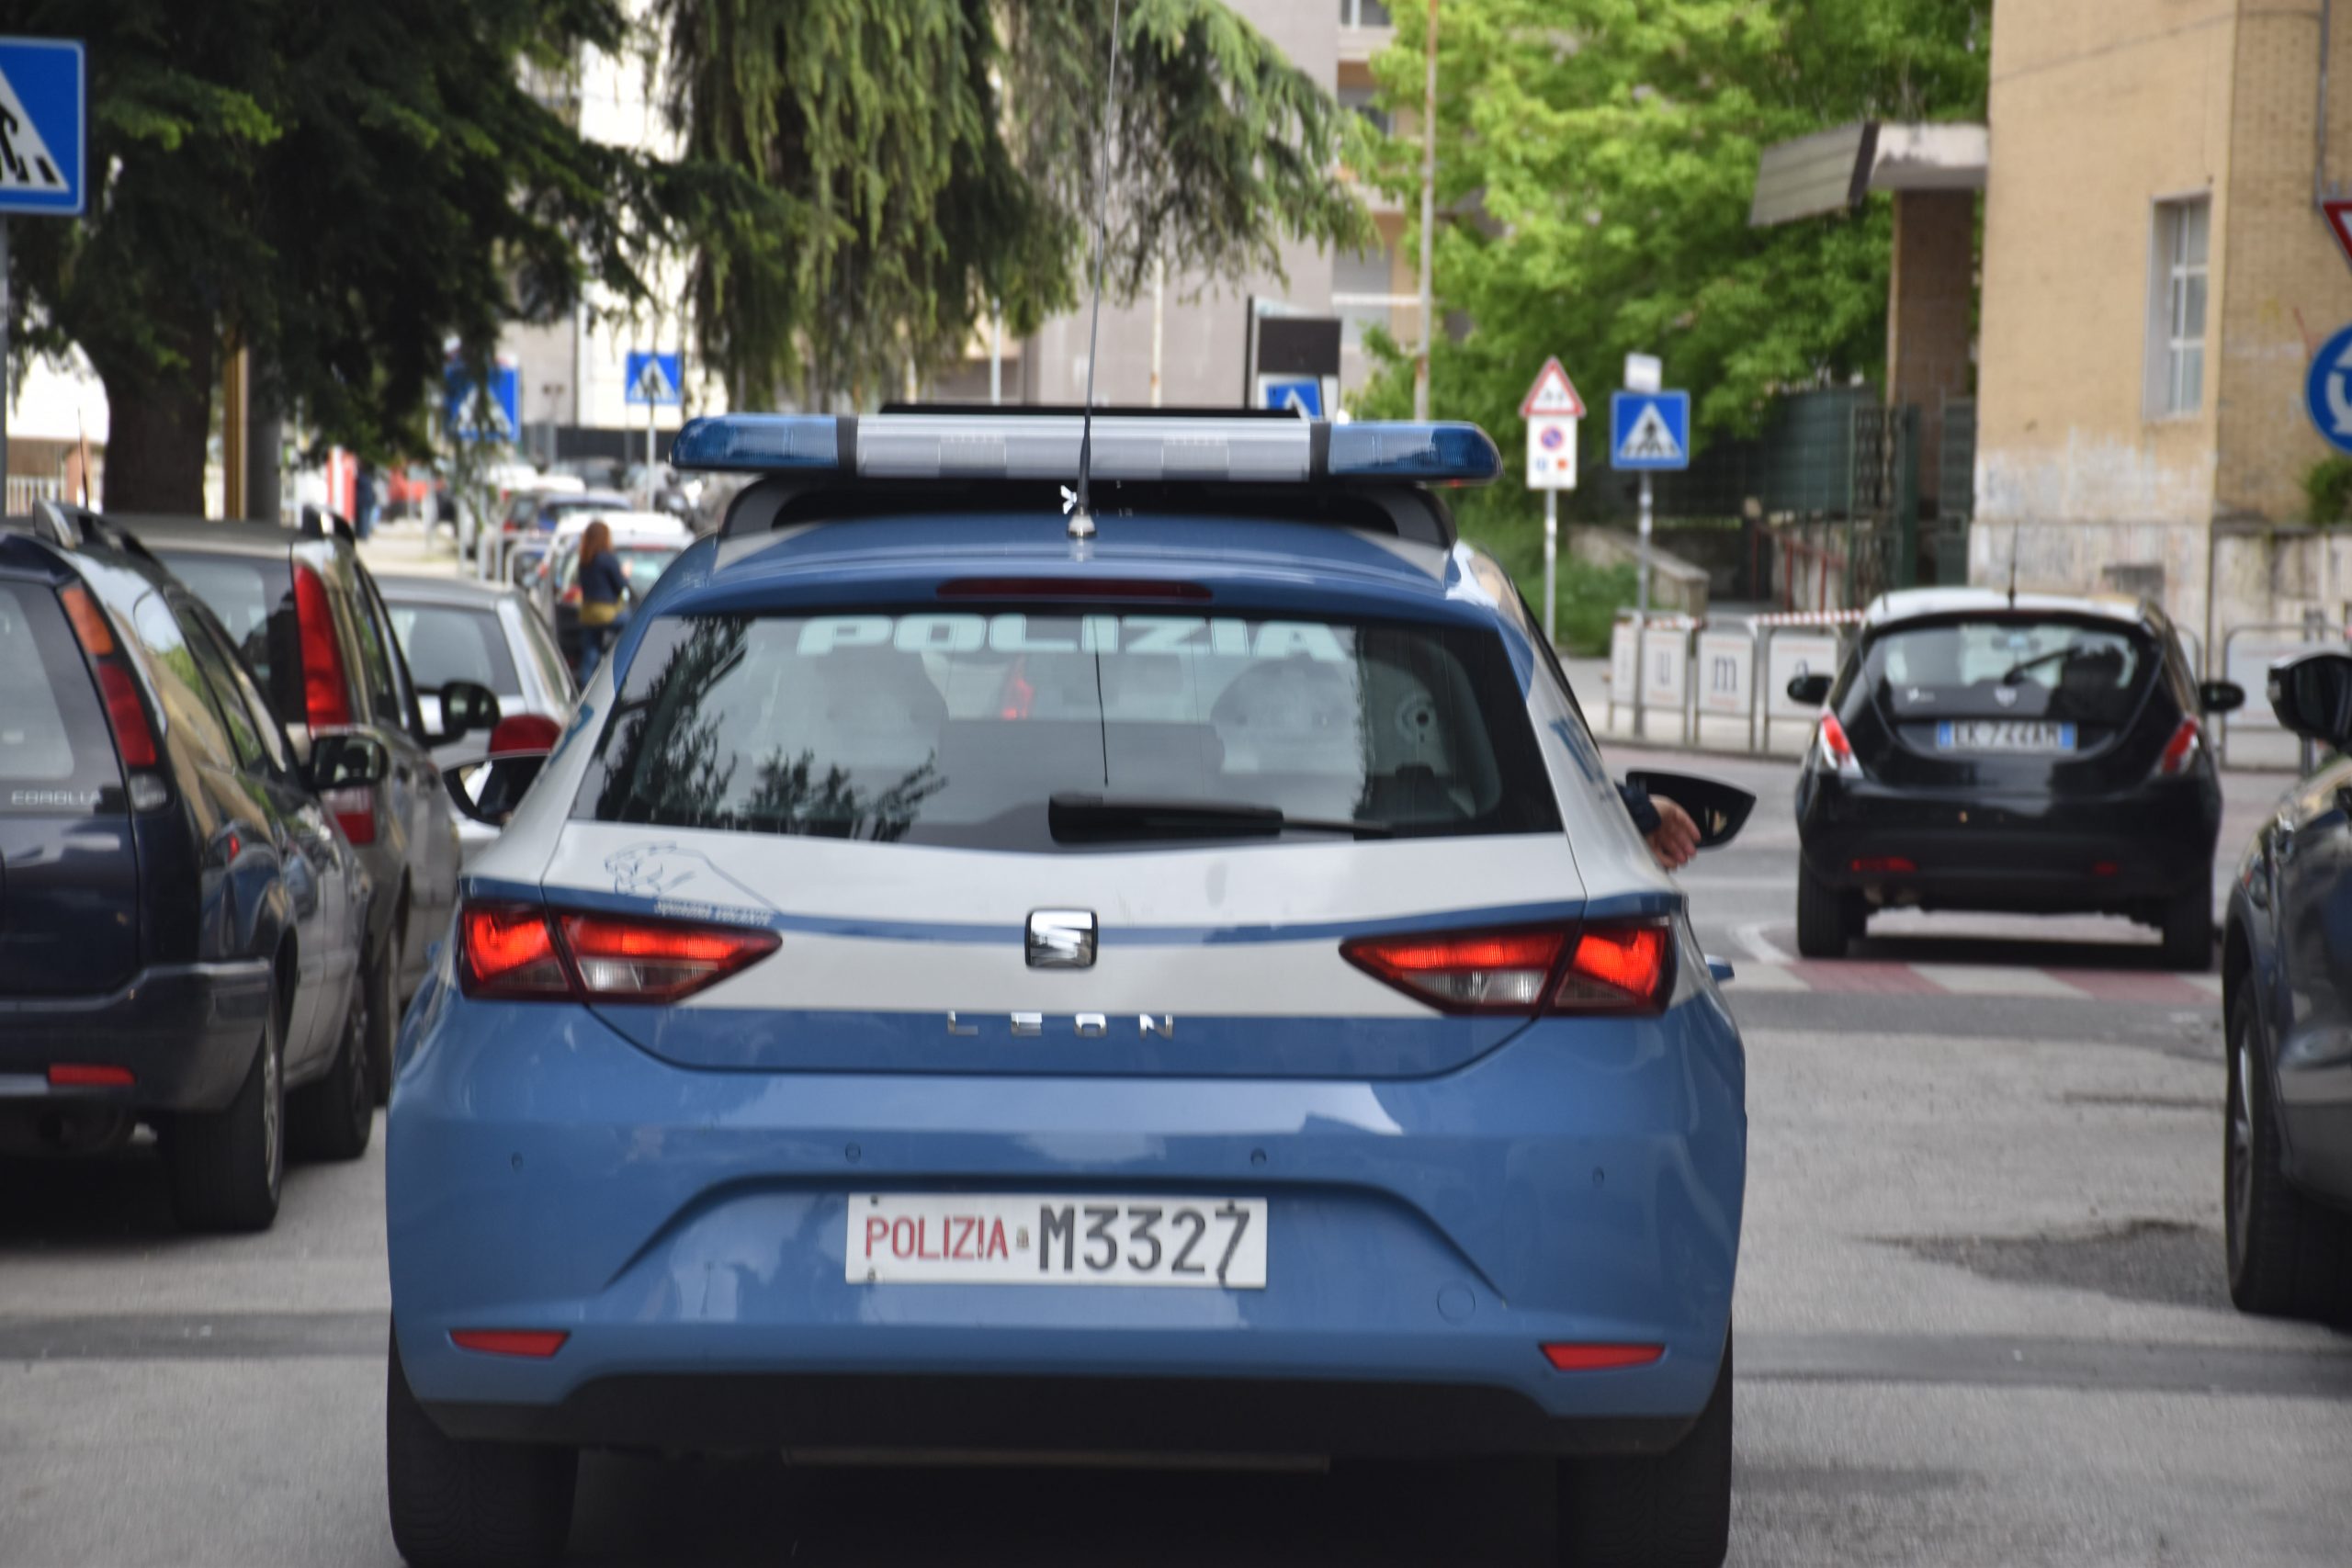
column 1061, row 939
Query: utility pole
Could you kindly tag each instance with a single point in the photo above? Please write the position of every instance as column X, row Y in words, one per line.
column 1429, row 221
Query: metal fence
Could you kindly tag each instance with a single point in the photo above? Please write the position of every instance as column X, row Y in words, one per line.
column 26, row 488
column 1723, row 684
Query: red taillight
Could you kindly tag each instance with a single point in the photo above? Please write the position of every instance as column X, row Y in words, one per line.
column 1618, row 969
column 354, row 811
column 538, row 1344
column 126, row 715
column 88, row 1074
column 1832, row 752
column 1601, row 1357
column 510, row 952
column 1608, row 967
column 2180, row 750
column 134, row 738
column 656, row 961
column 1882, row 865
column 1490, row 972
column 326, row 700
column 517, row 952
column 2106, row 868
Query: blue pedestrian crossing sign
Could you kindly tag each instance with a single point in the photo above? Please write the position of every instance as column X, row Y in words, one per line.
column 1301, row 395
column 652, row 379
column 2327, row 395
column 1649, row 430
column 469, row 415
column 44, row 112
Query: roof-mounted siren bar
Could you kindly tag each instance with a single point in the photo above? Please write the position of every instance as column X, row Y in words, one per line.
column 1128, row 448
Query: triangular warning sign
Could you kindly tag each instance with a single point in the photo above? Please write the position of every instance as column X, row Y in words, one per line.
column 2339, row 223
column 25, row 163
column 1553, row 394
column 1650, row 437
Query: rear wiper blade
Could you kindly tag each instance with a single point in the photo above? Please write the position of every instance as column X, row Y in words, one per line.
column 2056, row 655
column 1077, row 818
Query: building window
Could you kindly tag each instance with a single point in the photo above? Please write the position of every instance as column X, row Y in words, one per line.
column 2176, row 310
column 1362, row 14
column 1365, row 101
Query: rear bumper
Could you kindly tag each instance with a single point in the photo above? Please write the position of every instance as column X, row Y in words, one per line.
column 2110, row 854
column 1221, row 1417
column 687, row 1229
column 185, row 1031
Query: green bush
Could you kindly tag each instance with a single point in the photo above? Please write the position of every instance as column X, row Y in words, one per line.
column 2327, row 492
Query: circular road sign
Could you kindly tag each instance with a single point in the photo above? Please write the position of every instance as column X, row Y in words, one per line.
column 2327, row 395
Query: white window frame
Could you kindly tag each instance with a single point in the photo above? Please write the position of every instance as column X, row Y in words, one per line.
column 1352, row 15
column 2178, row 352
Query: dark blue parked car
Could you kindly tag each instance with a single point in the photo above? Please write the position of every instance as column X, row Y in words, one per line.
column 2286, row 974
column 182, row 924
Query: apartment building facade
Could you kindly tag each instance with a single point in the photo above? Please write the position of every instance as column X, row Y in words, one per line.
column 2157, row 276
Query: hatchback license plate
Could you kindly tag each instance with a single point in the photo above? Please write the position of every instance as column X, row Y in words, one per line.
column 2003, row 734
column 923, row 1239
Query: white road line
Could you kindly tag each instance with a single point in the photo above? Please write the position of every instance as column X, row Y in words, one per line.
column 2209, row 984
column 1751, row 937
column 1997, row 980
column 1766, row 978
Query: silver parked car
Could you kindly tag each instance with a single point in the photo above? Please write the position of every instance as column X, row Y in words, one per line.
column 458, row 629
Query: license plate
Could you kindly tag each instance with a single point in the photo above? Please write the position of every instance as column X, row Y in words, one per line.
column 2003, row 734
column 918, row 1238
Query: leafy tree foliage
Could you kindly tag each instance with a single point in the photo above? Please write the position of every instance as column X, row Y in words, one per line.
column 1597, row 157
column 877, row 178
column 341, row 185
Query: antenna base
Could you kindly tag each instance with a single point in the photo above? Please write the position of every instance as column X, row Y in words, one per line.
column 1081, row 523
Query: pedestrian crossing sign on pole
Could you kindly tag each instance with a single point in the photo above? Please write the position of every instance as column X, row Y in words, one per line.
column 1649, row 431
column 43, row 120
column 652, row 379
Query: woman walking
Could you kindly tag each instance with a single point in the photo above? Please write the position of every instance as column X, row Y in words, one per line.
column 602, row 586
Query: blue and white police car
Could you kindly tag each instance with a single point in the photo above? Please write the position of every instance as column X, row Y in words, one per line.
column 1174, row 978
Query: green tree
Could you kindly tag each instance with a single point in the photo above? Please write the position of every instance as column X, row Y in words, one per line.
column 871, row 180
column 341, row 185
column 1597, row 157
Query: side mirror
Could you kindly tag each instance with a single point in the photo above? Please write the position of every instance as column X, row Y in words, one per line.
column 2221, row 697
column 1719, row 809
column 465, row 708
column 1811, row 690
column 2313, row 696
column 345, row 758
column 519, row 748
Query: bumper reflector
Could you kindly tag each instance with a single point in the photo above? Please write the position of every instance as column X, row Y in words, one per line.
column 88, row 1074
column 1884, row 866
column 537, row 1344
column 1601, row 1357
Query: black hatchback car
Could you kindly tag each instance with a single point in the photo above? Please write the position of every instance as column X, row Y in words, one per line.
column 183, row 936
column 2030, row 752
column 2286, row 1001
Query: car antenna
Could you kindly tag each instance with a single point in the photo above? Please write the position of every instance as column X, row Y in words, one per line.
column 2013, row 566
column 1078, row 506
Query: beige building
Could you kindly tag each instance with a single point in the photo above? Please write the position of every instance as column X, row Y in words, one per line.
column 2158, row 275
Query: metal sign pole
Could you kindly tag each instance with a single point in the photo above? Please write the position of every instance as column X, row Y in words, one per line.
column 1551, row 563
column 1643, row 602
column 5, row 308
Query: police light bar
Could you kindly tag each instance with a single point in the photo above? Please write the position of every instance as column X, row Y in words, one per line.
column 1044, row 447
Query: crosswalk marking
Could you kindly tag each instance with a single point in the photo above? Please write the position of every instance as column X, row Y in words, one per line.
column 1879, row 978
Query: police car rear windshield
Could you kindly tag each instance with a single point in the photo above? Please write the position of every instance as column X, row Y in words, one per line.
column 1068, row 729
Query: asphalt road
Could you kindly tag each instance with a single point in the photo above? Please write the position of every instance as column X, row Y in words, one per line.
column 1980, row 1322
